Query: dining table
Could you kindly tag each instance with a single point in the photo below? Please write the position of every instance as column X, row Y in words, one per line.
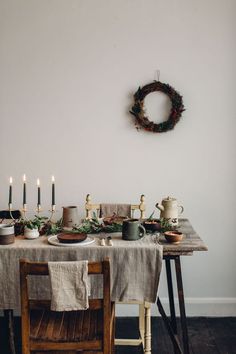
column 135, row 273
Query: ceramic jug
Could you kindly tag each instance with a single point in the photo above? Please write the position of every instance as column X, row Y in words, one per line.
column 70, row 216
column 170, row 210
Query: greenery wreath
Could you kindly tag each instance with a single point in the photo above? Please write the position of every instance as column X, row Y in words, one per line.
column 138, row 108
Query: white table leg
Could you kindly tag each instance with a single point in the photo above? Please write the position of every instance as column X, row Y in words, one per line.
column 147, row 332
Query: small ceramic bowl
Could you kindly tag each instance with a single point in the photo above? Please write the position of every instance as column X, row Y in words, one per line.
column 152, row 226
column 31, row 234
column 173, row 236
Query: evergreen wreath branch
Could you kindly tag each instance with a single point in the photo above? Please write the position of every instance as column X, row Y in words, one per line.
column 138, row 108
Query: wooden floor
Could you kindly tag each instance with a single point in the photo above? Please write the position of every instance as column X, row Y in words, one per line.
column 207, row 336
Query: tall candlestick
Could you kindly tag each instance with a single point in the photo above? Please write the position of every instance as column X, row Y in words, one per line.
column 10, row 191
column 24, row 190
column 53, row 190
column 39, row 192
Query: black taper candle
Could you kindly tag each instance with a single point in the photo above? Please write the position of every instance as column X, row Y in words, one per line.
column 53, row 190
column 24, row 190
column 39, row 192
column 39, row 196
column 10, row 194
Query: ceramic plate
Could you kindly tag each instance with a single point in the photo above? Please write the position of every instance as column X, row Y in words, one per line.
column 71, row 237
column 53, row 240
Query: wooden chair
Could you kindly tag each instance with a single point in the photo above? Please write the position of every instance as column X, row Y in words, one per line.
column 7, row 215
column 89, row 331
column 90, row 207
column 144, row 307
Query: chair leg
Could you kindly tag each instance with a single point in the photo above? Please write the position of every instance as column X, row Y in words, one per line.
column 141, row 322
column 147, row 335
column 9, row 317
column 113, row 336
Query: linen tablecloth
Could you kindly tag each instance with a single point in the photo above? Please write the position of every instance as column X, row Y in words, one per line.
column 135, row 267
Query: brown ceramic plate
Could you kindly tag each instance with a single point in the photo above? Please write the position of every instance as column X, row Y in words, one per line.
column 71, row 237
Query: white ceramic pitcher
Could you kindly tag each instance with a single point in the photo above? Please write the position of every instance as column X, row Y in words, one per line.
column 170, row 210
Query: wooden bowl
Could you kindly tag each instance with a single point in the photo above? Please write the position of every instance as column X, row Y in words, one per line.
column 152, row 226
column 7, row 239
column 71, row 237
column 173, row 236
column 109, row 220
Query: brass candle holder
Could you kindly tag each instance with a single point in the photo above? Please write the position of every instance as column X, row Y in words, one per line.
column 52, row 212
column 24, row 211
column 10, row 211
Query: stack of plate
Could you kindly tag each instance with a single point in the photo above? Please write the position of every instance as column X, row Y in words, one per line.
column 70, row 239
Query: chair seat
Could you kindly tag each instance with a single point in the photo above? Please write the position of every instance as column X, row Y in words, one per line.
column 70, row 326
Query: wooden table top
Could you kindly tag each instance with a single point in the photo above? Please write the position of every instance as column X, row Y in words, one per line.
column 190, row 243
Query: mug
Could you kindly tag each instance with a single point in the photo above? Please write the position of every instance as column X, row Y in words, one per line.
column 7, row 235
column 132, row 230
column 6, row 229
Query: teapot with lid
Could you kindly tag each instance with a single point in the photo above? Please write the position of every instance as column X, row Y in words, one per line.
column 170, row 210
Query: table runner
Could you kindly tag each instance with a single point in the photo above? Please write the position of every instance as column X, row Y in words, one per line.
column 135, row 267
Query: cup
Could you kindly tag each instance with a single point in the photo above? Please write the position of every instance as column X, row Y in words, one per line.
column 70, row 216
column 132, row 230
column 6, row 229
column 7, row 235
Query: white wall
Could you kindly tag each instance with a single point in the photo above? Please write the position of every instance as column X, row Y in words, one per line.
column 68, row 70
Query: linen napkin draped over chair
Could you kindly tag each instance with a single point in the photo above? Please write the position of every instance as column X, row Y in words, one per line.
column 115, row 209
column 86, row 331
column 69, row 285
column 110, row 209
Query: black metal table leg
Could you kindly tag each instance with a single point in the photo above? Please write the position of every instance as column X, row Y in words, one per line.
column 173, row 336
column 181, row 304
column 171, row 297
column 9, row 318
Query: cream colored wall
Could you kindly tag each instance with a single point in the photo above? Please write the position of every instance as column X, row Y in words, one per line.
column 68, row 70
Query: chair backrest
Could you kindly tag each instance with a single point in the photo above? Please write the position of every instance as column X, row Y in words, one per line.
column 90, row 207
column 9, row 215
column 28, row 268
